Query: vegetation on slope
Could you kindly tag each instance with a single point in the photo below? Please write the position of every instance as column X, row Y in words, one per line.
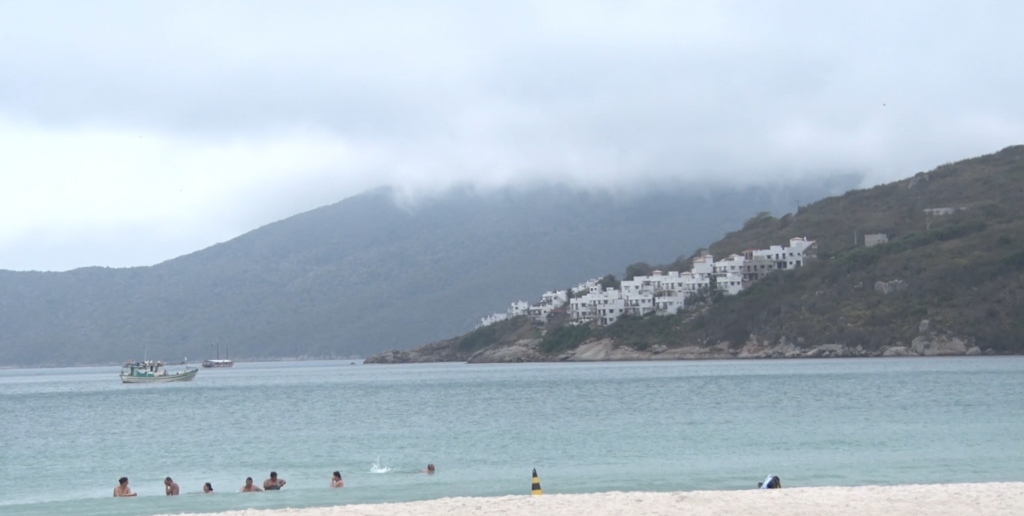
column 963, row 272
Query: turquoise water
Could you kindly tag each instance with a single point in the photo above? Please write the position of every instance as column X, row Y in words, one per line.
column 68, row 434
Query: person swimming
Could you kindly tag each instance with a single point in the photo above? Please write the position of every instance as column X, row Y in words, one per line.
column 248, row 487
column 122, row 489
column 336, row 480
column 429, row 470
column 207, row 488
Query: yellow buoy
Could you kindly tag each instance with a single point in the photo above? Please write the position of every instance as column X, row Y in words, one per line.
column 536, row 484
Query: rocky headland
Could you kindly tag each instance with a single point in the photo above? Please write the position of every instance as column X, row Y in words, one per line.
column 927, row 343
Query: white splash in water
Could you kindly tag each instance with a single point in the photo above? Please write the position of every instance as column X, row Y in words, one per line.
column 377, row 467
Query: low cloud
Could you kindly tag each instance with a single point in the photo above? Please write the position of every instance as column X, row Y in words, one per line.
column 181, row 124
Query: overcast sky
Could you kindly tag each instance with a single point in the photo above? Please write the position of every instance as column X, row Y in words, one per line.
column 134, row 132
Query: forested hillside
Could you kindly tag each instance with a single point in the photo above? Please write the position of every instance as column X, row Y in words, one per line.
column 950, row 280
column 365, row 274
column 963, row 272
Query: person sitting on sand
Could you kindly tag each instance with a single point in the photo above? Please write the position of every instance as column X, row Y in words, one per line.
column 207, row 488
column 171, row 487
column 429, row 470
column 336, row 480
column 122, row 489
column 248, row 487
column 273, row 483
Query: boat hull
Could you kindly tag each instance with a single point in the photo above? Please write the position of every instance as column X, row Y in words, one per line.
column 218, row 363
column 171, row 377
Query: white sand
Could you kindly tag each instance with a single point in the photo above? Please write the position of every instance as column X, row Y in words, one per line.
column 940, row 499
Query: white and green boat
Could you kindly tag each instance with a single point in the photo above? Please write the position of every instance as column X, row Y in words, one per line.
column 154, row 371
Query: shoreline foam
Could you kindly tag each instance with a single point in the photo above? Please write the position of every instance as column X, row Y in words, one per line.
column 989, row 499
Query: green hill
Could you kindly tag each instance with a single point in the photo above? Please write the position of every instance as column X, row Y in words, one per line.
column 962, row 272
column 943, row 284
column 365, row 274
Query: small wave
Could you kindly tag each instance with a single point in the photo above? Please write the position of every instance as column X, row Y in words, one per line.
column 378, row 467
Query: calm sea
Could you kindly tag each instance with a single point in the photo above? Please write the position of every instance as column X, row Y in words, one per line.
column 68, row 434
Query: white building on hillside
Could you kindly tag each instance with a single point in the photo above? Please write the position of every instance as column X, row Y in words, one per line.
column 518, row 308
column 603, row 307
column 733, row 263
column 556, row 298
column 663, row 293
column 491, row 319
column 786, row 258
column 704, row 264
column 873, row 239
column 514, row 310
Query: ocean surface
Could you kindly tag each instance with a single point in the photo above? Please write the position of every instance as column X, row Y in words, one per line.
column 67, row 435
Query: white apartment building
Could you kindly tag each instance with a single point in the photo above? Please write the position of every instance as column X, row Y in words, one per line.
column 554, row 298
column 518, row 308
column 729, row 274
column 734, row 263
column 785, row 258
column 703, row 264
column 663, row 293
column 603, row 307
column 730, row 283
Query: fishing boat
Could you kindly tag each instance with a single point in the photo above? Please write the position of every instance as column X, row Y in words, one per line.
column 219, row 362
column 154, row 371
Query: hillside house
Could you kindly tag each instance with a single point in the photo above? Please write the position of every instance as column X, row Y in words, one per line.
column 873, row 239
column 938, row 212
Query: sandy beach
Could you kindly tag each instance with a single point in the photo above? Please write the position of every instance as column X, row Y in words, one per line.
column 940, row 499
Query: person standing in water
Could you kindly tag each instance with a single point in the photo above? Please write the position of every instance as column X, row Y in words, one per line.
column 273, row 483
column 171, row 487
column 336, row 480
column 122, row 489
column 248, row 487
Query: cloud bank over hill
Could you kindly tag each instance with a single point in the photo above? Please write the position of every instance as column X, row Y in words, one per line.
column 131, row 133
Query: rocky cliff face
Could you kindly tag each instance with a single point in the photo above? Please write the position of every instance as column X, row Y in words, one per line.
column 436, row 352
